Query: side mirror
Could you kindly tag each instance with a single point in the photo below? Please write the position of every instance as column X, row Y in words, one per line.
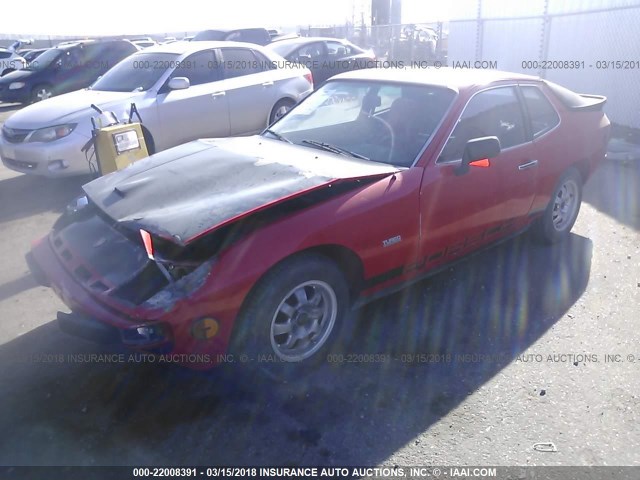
column 477, row 152
column 179, row 83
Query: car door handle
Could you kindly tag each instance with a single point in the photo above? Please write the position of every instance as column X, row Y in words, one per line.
column 530, row 164
column 218, row 94
column 267, row 84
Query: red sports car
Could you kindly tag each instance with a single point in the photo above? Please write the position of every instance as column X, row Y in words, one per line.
column 258, row 246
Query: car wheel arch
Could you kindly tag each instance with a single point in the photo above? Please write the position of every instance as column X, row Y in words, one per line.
column 283, row 101
column 348, row 261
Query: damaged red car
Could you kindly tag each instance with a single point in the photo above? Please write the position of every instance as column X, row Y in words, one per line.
column 260, row 245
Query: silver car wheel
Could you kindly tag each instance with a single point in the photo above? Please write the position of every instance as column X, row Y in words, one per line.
column 43, row 93
column 280, row 112
column 303, row 321
column 565, row 205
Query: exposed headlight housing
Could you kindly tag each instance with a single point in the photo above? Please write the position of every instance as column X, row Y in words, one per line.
column 49, row 134
column 78, row 204
column 16, row 85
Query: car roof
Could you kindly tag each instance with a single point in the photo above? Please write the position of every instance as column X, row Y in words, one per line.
column 457, row 78
column 183, row 47
column 303, row 40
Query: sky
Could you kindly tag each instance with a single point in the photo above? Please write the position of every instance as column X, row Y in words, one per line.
column 116, row 17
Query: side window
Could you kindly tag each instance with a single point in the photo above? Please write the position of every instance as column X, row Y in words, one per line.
column 336, row 50
column 494, row 112
column 541, row 113
column 238, row 62
column 264, row 63
column 5, row 55
column 310, row 52
column 197, row 68
column 72, row 58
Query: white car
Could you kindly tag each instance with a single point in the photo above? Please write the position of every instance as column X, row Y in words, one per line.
column 10, row 61
column 182, row 90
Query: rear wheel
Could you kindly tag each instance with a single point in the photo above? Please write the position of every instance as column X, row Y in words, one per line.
column 293, row 317
column 41, row 92
column 280, row 109
column 561, row 213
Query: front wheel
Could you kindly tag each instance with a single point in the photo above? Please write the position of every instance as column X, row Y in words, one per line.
column 293, row 317
column 41, row 92
column 561, row 213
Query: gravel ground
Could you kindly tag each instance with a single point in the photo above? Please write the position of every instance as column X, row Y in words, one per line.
column 518, row 338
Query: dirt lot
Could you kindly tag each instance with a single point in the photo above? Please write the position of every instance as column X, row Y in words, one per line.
column 528, row 329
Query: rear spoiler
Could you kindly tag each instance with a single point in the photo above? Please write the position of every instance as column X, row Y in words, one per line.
column 590, row 103
column 579, row 102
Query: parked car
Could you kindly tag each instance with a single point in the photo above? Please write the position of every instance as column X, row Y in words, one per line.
column 258, row 246
column 63, row 69
column 183, row 91
column 9, row 62
column 259, row 36
column 325, row 57
column 31, row 55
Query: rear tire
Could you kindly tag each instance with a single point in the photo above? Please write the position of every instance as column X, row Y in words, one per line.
column 563, row 209
column 280, row 109
column 292, row 318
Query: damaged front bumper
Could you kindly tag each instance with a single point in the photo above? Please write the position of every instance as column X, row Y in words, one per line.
column 174, row 328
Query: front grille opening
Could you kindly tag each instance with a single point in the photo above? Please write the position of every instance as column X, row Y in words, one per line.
column 14, row 135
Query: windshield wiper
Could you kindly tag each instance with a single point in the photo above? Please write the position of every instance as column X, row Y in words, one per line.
column 278, row 136
column 335, row 149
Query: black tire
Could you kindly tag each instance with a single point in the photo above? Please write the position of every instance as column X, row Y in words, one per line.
column 279, row 109
column 256, row 342
column 550, row 228
column 41, row 92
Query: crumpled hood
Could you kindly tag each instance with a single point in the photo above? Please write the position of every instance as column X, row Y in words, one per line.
column 70, row 107
column 191, row 189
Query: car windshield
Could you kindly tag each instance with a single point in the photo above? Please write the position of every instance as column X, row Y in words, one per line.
column 138, row 72
column 382, row 122
column 45, row 59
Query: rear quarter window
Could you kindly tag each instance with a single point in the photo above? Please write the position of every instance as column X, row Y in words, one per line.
column 542, row 115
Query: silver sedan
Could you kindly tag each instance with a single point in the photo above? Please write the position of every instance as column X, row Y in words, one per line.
column 182, row 90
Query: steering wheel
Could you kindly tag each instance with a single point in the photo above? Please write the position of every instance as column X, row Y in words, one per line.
column 391, row 136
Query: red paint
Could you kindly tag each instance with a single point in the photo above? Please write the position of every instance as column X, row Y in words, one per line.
column 440, row 216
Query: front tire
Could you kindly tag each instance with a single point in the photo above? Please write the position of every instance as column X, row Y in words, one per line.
column 293, row 317
column 561, row 213
column 41, row 92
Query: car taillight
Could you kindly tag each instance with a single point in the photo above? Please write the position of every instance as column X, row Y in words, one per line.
column 309, row 77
